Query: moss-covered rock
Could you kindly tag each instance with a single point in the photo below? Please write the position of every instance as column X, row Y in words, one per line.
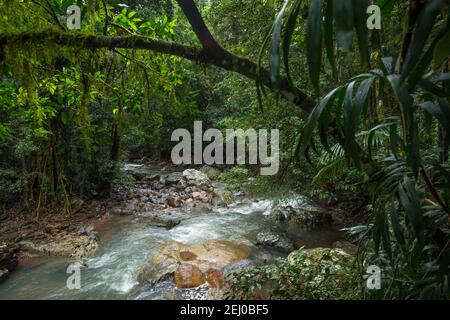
column 301, row 212
column 321, row 273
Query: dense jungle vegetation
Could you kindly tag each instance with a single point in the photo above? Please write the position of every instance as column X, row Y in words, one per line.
column 364, row 115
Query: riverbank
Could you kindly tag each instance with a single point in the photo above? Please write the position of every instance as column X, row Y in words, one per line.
column 29, row 235
column 182, row 217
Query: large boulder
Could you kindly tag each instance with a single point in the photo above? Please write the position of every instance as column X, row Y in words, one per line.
column 211, row 172
column 274, row 240
column 215, row 278
column 301, row 212
column 159, row 270
column 8, row 260
column 188, row 276
column 190, row 264
column 196, row 178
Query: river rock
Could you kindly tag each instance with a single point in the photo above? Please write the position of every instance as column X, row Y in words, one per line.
column 347, row 246
column 64, row 244
column 172, row 178
column 237, row 266
column 196, row 178
column 212, row 254
column 274, row 240
column 164, row 221
column 302, row 212
column 88, row 231
column 200, row 196
column 174, row 202
column 8, row 260
column 226, row 196
column 151, row 178
column 217, row 202
column 121, row 212
column 211, row 172
column 161, row 270
column 215, row 278
column 188, row 276
column 156, row 185
column 4, row 273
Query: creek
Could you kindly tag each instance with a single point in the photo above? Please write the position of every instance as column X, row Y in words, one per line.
column 127, row 243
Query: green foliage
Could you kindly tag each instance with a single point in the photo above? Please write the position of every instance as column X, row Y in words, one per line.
column 70, row 116
column 316, row 274
column 408, row 231
column 235, row 177
column 64, row 112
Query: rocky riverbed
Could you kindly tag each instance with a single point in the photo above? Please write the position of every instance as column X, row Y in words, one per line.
column 170, row 235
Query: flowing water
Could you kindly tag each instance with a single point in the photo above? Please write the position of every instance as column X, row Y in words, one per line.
column 126, row 246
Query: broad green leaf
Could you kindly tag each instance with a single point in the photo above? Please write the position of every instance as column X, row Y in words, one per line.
column 325, row 118
column 432, row 88
column 343, row 17
column 314, row 43
column 387, row 64
column 290, row 28
column 328, row 37
column 402, row 95
column 372, row 134
column 350, row 125
column 409, row 122
column 445, row 108
column 411, row 204
column 360, row 21
column 424, row 64
column 310, row 125
column 362, row 94
column 422, row 31
column 397, row 228
column 442, row 50
column 274, row 58
column 378, row 227
column 395, row 140
column 259, row 85
column 442, row 114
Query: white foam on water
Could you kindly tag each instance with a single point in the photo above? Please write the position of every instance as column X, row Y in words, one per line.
column 126, row 283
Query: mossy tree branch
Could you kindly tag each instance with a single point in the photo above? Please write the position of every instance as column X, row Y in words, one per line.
column 220, row 58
